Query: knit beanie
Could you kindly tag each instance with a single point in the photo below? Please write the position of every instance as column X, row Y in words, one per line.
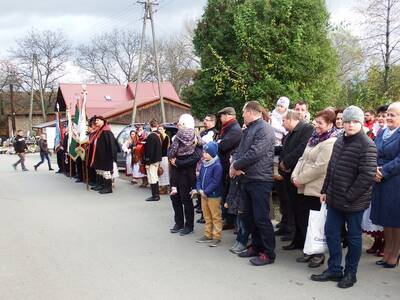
column 211, row 148
column 283, row 101
column 353, row 113
column 186, row 121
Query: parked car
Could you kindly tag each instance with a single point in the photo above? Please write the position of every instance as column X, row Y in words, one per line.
column 170, row 128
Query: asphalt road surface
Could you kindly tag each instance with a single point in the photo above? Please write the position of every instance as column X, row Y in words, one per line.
column 59, row 241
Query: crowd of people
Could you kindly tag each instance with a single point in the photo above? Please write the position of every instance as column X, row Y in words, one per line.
column 345, row 159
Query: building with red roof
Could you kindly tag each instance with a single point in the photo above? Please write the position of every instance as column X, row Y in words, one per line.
column 115, row 102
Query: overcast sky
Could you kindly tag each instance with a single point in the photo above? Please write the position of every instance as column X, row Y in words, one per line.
column 82, row 19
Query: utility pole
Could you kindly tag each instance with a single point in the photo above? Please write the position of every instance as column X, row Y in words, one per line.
column 35, row 64
column 148, row 14
column 32, row 89
column 12, row 107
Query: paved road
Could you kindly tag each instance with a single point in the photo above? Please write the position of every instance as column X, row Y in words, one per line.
column 58, row 241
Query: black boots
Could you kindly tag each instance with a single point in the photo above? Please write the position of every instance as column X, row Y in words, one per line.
column 99, row 183
column 155, row 193
column 107, row 189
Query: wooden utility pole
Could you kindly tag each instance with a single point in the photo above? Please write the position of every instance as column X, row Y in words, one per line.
column 35, row 64
column 159, row 80
column 148, row 14
column 12, row 108
column 32, row 89
column 139, row 75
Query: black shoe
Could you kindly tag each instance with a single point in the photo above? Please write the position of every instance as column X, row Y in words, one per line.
column 107, row 189
column 185, row 231
column 304, row 259
column 59, row 172
column 14, row 167
column 198, row 210
column 175, row 229
column 317, row 261
column 327, row 276
column 155, row 193
column 347, row 281
column 35, row 167
column 152, row 199
column 250, row 252
column 99, row 183
column 281, row 231
column 279, row 225
column 51, row 169
column 79, row 180
column 291, row 246
column 287, row 238
column 261, row 260
column 201, row 221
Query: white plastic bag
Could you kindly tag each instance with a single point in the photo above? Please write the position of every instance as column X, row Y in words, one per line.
column 315, row 239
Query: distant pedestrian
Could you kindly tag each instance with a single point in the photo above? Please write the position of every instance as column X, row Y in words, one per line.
column 44, row 152
column 210, row 189
column 20, row 147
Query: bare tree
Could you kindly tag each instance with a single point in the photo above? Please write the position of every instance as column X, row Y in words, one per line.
column 52, row 49
column 112, row 57
column 177, row 62
column 382, row 33
column 350, row 53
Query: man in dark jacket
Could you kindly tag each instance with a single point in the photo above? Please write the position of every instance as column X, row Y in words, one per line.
column 293, row 147
column 152, row 158
column 44, row 152
column 20, row 147
column 104, row 155
column 253, row 162
column 228, row 141
column 347, row 191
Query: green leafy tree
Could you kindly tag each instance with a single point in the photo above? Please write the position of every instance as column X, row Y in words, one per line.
column 260, row 50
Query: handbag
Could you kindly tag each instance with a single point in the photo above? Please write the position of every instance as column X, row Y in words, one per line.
column 315, row 238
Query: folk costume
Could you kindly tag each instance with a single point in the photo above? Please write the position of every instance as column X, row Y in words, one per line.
column 104, row 155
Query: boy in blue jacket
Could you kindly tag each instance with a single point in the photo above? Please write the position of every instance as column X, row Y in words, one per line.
column 209, row 186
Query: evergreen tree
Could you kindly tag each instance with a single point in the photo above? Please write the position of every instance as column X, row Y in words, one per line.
column 260, row 50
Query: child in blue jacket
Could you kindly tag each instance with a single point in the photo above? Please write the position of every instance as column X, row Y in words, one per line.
column 209, row 186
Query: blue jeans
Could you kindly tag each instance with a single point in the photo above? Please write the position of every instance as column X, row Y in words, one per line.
column 44, row 156
column 256, row 194
column 333, row 231
column 242, row 222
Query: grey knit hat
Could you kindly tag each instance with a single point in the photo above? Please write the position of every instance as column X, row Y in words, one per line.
column 353, row 113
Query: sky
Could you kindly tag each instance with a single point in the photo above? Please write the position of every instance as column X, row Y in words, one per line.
column 83, row 19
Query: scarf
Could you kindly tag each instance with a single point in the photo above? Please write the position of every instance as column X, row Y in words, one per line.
column 210, row 162
column 226, row 125
column 96, row 136
column 316, row 138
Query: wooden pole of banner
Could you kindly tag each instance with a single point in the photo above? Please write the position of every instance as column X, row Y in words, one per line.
column 70, row 166
column 87, row 174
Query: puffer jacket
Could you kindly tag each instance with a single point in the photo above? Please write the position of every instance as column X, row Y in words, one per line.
column 311, row 169
column 255, row 154
column 351, row 172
